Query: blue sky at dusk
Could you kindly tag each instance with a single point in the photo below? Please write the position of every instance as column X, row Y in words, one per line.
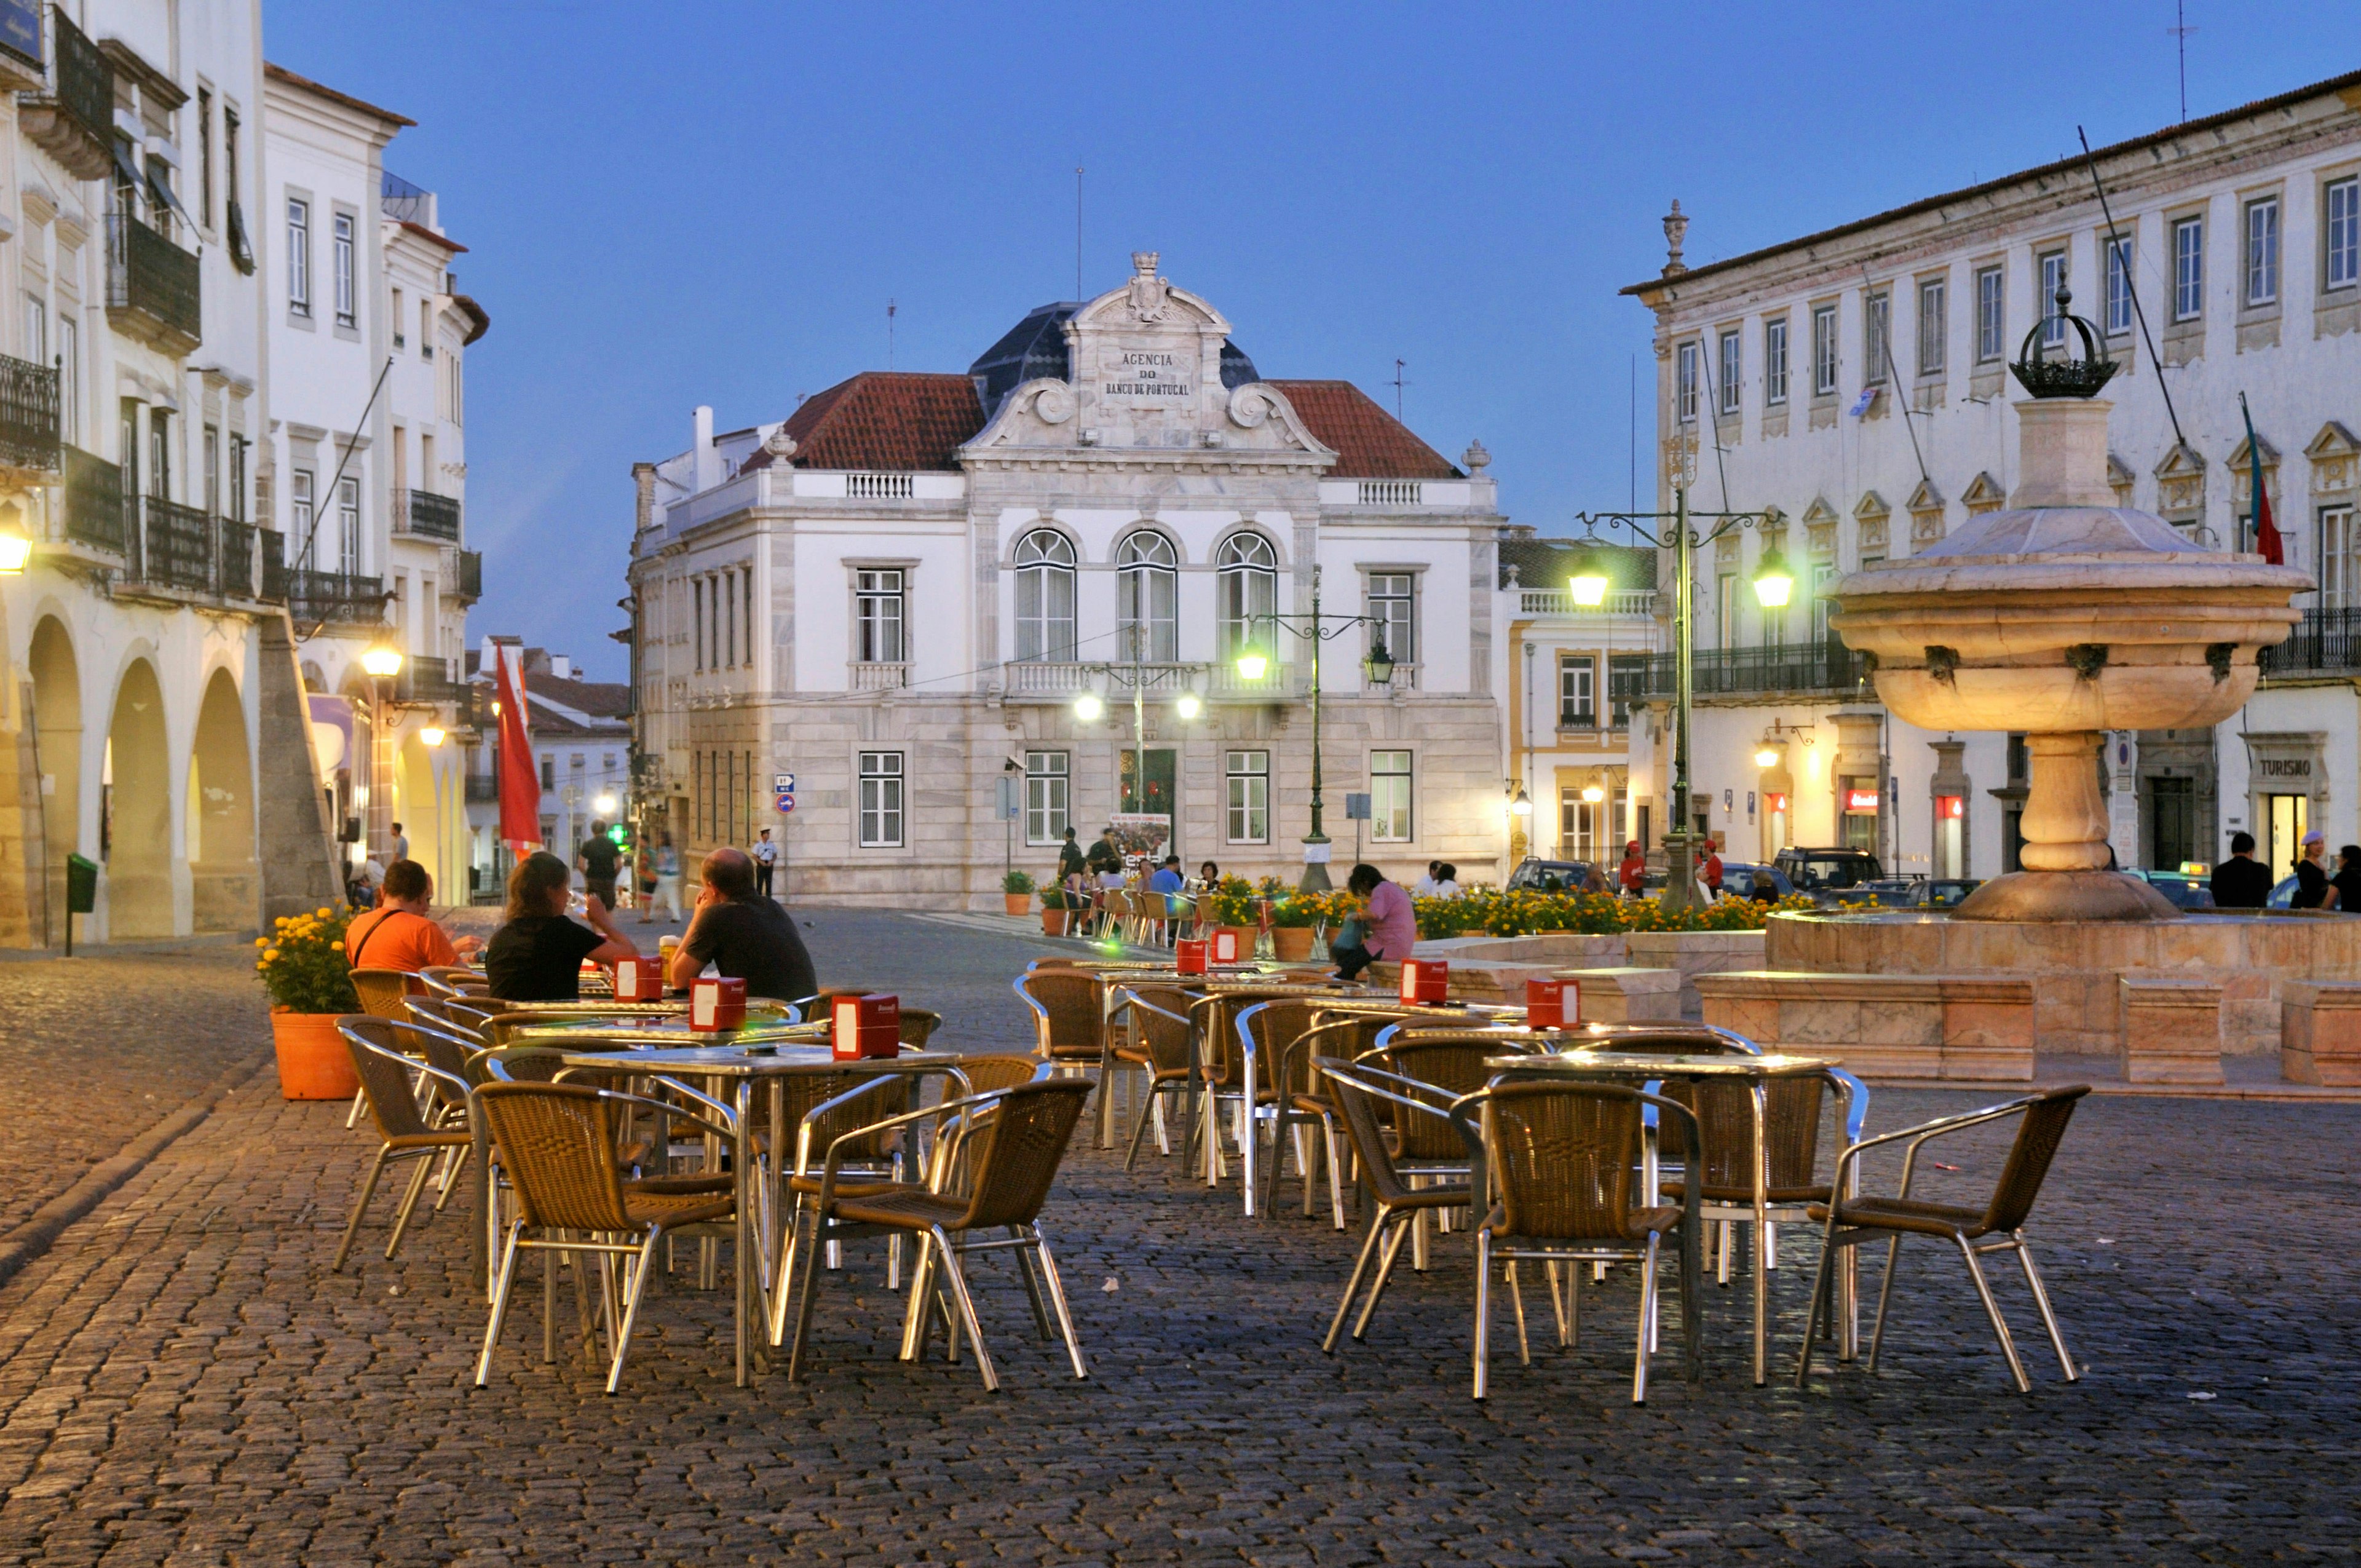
column 713, row 203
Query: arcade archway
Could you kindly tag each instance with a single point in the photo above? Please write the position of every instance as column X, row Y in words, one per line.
column 219, row 825
column 136, row 811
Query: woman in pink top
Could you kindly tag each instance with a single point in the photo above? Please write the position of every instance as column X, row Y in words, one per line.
column 1390, row 929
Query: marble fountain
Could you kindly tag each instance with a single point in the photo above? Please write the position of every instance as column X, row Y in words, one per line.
column 2062, row 617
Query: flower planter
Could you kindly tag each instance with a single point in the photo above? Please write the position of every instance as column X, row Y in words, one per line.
column 1053, row 922
column 1291, row 944
column 313, row 1063
column 1017, row 903
column 1246, row 935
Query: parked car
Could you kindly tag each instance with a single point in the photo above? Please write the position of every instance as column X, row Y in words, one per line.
column 1830, row 876
column 1740, row 880
column 1944, row 893
column 1551, row 876
column 2187, row 890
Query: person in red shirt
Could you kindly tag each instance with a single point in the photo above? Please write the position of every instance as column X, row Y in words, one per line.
column 396, row 934
column 1633, row 873
column 1710, row 872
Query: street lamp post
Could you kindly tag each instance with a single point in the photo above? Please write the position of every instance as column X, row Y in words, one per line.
column 1254, row 663
column 1089, row 708
column 434, row 735
column 1772, row 584
column 381, row 662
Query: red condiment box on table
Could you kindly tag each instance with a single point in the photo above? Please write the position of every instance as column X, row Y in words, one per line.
column 1425, row 982
column 1188, row 955
column 716, row 1003
column 1553, row 1003
column 868, row 1026
column 1224, row 949
column 639, row 980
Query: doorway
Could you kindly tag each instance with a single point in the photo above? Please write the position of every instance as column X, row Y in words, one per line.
column 2172, row 823
column 2289, row 816
column 1157, row 797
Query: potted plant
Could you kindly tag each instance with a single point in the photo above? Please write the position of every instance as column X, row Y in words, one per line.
column 1016, row 891
column 1053, row 912
column 1233, row 905
column 1292, row 923
column 302, row 964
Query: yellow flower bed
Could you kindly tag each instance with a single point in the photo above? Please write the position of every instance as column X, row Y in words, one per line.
column 301, row 962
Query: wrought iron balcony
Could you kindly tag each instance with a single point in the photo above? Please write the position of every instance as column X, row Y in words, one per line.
column 483, row 789
column 151, row 286
column 94, row 500
column 1826, row 668
column 172, row 547
column 427, row 679
column 74, row 121
column 29, row 416
column 331, row 598
column 426, row 515
column 239, row 566
column 2327, row 642
column 469, row 578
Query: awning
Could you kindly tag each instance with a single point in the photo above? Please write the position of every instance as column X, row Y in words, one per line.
column 159, row 191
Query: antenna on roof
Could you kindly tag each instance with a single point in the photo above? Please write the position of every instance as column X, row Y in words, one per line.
column 2181, row 29
column 1078, row 231
column 1399, row 384
column 889, row 334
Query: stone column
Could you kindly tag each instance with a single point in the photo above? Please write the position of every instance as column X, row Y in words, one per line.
column 2065, row 821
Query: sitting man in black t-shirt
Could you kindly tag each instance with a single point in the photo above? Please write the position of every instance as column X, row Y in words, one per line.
column 537, row 955
column 745, row 937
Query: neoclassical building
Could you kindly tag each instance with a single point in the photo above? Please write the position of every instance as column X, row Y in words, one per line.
column 1852, row 385
column 1044, row 571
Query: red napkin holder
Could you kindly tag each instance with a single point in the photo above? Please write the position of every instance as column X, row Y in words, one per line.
column 716, row 1003
column 639, row 980
column 1225, row 946
column 1425, row 982
column 863, row 1027
column 1553, row 1003
column 1188, row 955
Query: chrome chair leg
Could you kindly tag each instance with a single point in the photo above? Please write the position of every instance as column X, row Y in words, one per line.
column 640, row 1268
column 1647, row 1322
column 2048, row 1319
column 353, row 1114
column 352, row 1226
column 1385, row 1272
column 503, row 1277
column 1335, row 1172
column 1517, row 1305
column 409, row 1206
column 1999, row 1323
column 1352, row 1284
column 958, row 1278
column 1057, row 1288
column 1884, row 1295
column 1483, row 1305
column 1032, row 1285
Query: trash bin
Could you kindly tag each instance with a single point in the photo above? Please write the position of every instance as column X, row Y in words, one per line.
column 82, row 892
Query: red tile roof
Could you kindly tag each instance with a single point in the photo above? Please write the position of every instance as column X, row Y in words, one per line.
column 892, row 420
column 1370, row 442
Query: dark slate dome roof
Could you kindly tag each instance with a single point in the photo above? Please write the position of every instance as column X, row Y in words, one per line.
column 1035, row 349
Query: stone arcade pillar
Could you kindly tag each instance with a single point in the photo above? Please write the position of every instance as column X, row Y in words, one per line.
column 295, row 843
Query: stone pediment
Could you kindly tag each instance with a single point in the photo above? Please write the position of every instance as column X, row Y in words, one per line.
column 2332, row 452
column 1145, row 361
column 1983, row 494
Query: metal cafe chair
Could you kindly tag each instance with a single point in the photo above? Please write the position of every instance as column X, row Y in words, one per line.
column 1157, row 1045
column 385, row 1071
column 1358, row 1090
column 1557, row 1161
column 1998, row 1226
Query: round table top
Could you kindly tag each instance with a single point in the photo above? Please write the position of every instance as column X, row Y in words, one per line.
column 757, row 1061
column 664, row 1029
column 1578, row 1062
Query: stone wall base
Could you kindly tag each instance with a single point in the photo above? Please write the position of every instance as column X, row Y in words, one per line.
column 1975, row 1028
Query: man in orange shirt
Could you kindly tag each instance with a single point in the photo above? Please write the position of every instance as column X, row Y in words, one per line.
column 396, row 934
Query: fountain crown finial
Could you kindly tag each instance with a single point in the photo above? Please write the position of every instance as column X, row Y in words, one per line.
column 2070, row 376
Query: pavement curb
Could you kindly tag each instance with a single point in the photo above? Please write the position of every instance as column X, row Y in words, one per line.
column 35, row 1236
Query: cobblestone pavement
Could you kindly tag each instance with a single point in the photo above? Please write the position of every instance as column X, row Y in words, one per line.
column 96, row 1050
column 184, row 1382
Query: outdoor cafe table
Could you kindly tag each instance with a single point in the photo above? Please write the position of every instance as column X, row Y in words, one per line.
column 1111, row 977
column 1219, row 998
column 741, row 1069
column 652, row 1030
column 1755, row 1073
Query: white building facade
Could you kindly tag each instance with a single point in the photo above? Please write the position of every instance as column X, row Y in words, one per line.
column 899, row 595
column 1851, row 384
column 366, row 466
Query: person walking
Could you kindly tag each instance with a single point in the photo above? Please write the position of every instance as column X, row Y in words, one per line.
column 1071, row 857
column 1709, row 874
column 401, row 844
column 1633, row 873
column 600, row 861
column 2241, row 882
column 667, row 867
column 644, row 877
column 1390, row 929
column 765, row 855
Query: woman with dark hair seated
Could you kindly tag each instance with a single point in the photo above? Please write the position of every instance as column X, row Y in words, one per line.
column 1388, row 931
column 537, row 955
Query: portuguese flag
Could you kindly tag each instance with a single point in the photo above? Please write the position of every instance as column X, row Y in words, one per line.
column 2267, row 533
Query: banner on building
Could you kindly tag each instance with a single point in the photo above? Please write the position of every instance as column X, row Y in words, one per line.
column 520, row 777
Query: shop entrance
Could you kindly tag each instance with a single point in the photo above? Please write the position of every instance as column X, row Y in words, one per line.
column 2289, row 817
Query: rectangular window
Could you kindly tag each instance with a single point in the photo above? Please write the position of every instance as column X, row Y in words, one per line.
column 1578, row 705
column 1934, row 321
column 212, row 469
column 342, row 258
column 2340, row 555
column 548, row 772
column 1627, row 686
column 1824, row 582
column 36, row 329
column 299, row 511
column 1248, row 820
column 1824, row 351
column 1877, row 335
column 238, row 444
column 1991, row 319
column 2263, row 251
column 1731, row 365
column 1774, row 361
column 696, row 640
column 1393, row 605
column 159, row 452
column 1686, row 389
column 2119, row 286
column 1725, row 609
column 1049, row 784
column 400, row 339
column 348, row 524
column 69, row 377
column 2342, row 234
column 880, row 800
column 426, row 329
column 2187, row 270
column 1389, row 817
column 746, row 589
column 298, row 257
column 2053, row 278
column 205, row 157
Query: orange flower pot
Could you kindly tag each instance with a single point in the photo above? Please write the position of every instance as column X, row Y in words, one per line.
column 1053, row 922
column 1291, row 944
column 1017, row 903
column 1246, row 935
column 313, row 1063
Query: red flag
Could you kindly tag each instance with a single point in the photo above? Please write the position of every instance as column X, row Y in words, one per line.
column 2267, row 533
column 519, row 779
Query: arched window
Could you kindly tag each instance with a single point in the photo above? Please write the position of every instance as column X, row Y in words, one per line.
column 1148, row 596
column 1249, row 593
column 1045, row 596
